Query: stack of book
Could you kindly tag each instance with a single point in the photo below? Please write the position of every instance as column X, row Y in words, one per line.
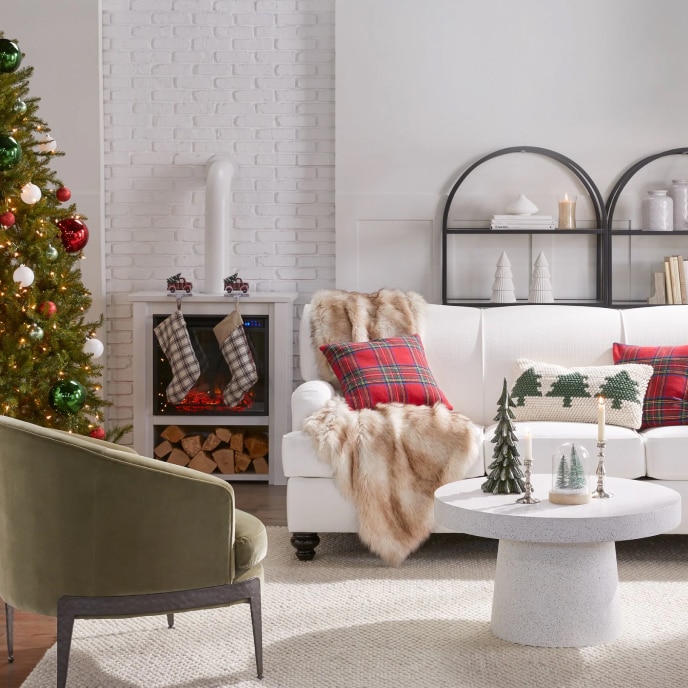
column 522, row 222
column 670, row 285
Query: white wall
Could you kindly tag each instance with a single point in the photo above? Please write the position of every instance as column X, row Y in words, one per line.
column 426, row 88
column 61, row 41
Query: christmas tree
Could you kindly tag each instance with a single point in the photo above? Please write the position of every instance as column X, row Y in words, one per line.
column 505, row 474
column 47, row 344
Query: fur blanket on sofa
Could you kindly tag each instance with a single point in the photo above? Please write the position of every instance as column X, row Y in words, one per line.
column 349, row 316
column 388, row 462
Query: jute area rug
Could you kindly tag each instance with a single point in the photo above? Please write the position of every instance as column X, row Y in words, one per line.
column 346, row 620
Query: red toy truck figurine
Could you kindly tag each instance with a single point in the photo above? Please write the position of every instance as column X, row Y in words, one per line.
column 235, row 283
column 178, row 283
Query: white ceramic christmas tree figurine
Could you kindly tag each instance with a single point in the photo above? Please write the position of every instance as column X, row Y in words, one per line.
column 541, row 284
column 503, row 285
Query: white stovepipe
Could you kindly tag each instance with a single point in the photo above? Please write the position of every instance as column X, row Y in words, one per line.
column 218, row 189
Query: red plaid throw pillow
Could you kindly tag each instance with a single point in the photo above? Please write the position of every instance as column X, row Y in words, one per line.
column 666, row 399
column 383, row 371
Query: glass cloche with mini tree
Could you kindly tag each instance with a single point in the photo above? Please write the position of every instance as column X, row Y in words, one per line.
column 570, row 475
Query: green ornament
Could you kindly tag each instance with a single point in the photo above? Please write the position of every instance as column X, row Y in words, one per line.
column 10, row 152
column 19, row 108
column 10, row 56
column 36, row 333
column 67, row 396
column 51, row 253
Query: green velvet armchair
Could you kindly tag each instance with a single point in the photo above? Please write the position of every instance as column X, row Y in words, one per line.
column 91, row 529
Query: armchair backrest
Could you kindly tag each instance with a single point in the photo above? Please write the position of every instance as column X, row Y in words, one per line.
column 84, row 518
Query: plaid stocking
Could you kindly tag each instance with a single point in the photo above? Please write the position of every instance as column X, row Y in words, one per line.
column 174, row 340
column 234, row 346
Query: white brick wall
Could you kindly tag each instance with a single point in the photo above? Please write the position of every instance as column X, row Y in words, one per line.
column 183, row 80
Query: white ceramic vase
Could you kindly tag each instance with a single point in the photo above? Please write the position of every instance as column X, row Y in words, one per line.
column 658, row 211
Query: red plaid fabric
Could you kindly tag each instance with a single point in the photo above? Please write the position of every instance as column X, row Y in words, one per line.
column 666, row 399
column 383, row 371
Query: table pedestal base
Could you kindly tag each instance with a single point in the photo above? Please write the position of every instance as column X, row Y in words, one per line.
column 553, row 595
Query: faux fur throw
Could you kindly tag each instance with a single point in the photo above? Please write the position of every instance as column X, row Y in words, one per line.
column 350, row 316
column 388, row 462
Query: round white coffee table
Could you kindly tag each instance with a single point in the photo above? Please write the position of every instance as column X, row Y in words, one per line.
column 556, row 583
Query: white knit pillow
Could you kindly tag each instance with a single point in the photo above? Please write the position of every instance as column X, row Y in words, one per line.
column 544, row 391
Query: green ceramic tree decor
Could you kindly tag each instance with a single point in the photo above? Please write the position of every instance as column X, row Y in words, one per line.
column 505, row 474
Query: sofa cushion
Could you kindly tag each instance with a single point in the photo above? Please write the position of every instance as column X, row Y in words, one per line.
column 384, row 371
column 624, row 453
column 666, row 400
column 665, row 452
column 544, row 391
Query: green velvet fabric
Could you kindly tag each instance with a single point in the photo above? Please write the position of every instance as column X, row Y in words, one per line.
column 79, row 517
column 250, row 541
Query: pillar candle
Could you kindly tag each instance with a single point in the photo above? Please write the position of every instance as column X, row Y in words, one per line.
column 600, row 419
column 567, row 212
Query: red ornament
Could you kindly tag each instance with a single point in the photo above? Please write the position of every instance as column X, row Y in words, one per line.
column 98, row 433
column 7, row 219
column 47, row 308
column 63, row 194
column 74, row 234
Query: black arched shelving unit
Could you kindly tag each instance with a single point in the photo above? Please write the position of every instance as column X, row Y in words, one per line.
column 612, row 201
column 603, row 259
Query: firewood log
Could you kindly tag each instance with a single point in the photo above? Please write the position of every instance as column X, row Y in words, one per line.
column 202, row 462
column 224, row 458
column 173, row 433
column 256, row 445
column 236, row 442
column 225, row 434
column 163, row 449
column 211, row 442
column 260, row 466
column 178, row 457
column 241, row 461
column 192, row 444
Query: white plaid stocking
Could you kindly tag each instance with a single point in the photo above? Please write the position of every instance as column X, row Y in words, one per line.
column 176, row 344
column 235, row 349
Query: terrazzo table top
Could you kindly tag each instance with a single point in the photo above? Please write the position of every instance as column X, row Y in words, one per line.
column 638, row 509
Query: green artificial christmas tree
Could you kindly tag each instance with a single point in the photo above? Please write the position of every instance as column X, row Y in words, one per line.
column 47, row 344
column 505, row 474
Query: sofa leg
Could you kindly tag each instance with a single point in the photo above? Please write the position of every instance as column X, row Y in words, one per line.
column 305, row 544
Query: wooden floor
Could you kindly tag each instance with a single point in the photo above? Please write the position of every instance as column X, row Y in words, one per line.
column 34, row 634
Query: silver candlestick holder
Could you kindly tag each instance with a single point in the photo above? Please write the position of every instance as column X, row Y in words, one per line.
column 600, row 492
column 528, row 497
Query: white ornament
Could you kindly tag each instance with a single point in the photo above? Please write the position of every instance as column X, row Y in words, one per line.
column 541, row 284
column 522, row 206
column 48, row 144
column 503, row 286
column 94, row 347
column 30, row 194
column 24, row 275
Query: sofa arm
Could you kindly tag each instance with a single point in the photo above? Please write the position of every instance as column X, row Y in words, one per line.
column 307, row 399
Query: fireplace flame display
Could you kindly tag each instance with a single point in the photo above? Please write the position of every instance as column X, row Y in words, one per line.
column 206, row 397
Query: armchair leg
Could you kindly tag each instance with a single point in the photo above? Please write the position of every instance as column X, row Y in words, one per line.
column 170, row 621
column 65, row 627
column 305, row 544
column 257, row 623
column 9, row 624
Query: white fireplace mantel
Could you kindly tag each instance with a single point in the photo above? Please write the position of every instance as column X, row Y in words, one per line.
column 279, row 309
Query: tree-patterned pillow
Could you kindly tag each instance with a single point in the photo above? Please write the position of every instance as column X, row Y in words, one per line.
column 544, row 391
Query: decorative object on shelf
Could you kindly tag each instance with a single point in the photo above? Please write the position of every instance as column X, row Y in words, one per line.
column 679, row 196
column 235, row 286
column 528, row 465
column 600, row 492
column 657, row 211
column 503, row 285
column 570, row 475
column 541, row 284
column 236, row 351
column 522, row 222
column 177, row 283
column 176, row 344
column 522, row 206
column 659, row 289
column 567, row 212
column 505, row 476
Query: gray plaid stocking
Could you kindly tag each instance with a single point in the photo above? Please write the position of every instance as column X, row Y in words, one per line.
column 174, row 340
column 231, row 337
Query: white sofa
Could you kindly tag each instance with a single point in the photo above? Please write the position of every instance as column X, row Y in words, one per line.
column 470, row 351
